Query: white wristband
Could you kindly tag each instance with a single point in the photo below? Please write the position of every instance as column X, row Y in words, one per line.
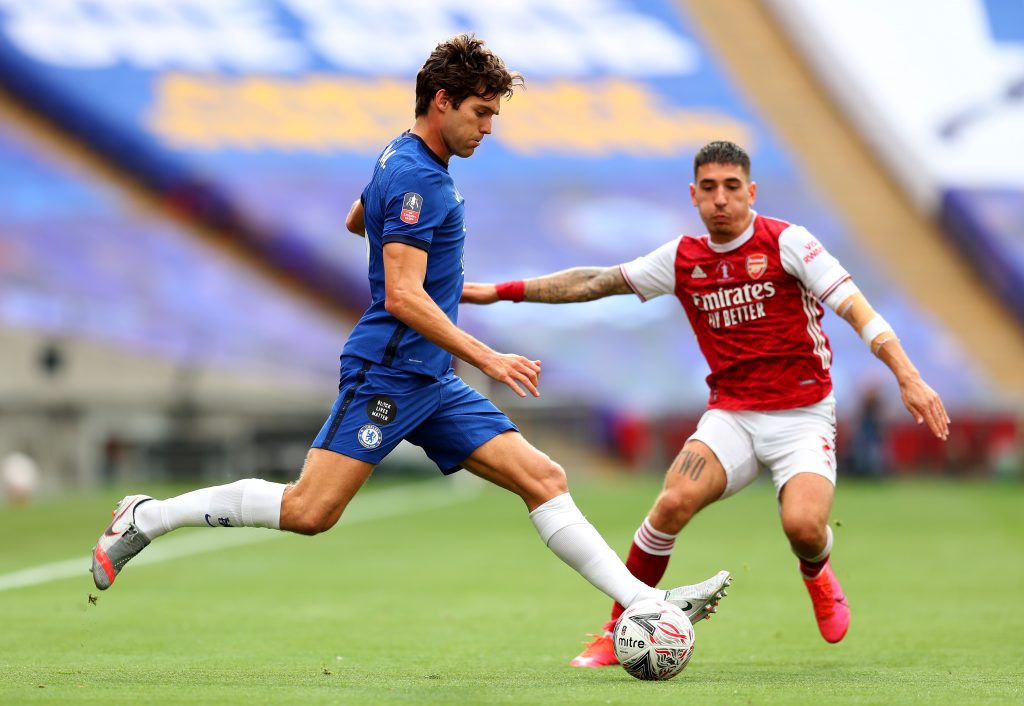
column 872, row 328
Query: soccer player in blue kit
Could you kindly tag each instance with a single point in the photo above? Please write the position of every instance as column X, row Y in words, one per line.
column 397, row 380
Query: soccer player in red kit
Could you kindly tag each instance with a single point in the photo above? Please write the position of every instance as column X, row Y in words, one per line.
column 751, row 289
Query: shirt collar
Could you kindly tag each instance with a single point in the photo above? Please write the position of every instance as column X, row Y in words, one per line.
column 427, row 149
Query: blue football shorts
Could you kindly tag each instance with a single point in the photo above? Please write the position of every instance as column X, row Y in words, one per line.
column 378, row 407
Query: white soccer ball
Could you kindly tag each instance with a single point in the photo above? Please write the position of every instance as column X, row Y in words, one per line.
column 653, row 640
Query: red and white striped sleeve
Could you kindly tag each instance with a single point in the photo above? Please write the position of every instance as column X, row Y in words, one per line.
column 807, row 259
column 653, row 274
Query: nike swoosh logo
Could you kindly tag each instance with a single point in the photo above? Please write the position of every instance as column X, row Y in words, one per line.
column 208, row 521
column 107, row 532
column 688, row 606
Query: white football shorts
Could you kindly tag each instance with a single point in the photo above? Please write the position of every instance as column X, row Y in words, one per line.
column 786, row 442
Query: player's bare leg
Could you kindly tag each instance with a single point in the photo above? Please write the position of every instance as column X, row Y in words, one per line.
column 328, row 483
column 695, row 479
column 313, row 504
column 805, row 503
column 511, row 462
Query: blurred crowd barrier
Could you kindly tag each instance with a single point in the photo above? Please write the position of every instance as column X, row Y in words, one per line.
column 62, row 449
column 981, row 445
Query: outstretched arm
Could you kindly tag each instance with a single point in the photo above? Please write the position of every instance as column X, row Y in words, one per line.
column 405, row 267
column 579, row 284
column 807, row 260
column 919, row 399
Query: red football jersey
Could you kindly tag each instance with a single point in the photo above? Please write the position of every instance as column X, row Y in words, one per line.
column 753, row 304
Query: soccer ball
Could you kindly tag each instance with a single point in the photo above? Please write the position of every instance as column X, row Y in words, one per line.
column 653, row 640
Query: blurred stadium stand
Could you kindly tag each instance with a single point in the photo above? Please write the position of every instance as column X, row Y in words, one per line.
column 939, row 101
column 260, row 119
column 115, row 322
column 80, row 259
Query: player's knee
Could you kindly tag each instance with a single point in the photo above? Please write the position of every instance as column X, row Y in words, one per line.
column 312, row 523
column 673, row 510
column 804, row 532
column 547, row 481
column 307, row 518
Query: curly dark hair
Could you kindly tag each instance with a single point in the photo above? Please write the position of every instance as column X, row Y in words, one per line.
column 463, row 67
column 722, row 152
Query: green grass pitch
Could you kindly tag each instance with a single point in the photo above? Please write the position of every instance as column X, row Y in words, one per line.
column 459, row 602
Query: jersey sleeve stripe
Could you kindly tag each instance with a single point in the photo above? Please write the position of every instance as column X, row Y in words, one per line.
column 406, row 240
column 832, row 287
column 629, row 282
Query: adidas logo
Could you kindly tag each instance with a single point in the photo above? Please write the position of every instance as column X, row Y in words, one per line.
column 698, row 273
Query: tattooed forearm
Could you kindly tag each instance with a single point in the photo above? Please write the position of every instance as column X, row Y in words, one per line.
column 580, row 284
column 689, row 463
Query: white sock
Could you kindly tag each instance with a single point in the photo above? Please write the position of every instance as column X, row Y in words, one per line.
column 245, row 503
column 824, row 552
column 574, row 540
column 822, row 555
column 654, row 541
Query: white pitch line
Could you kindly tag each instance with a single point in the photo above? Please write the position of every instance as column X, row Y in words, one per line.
column 401, row 500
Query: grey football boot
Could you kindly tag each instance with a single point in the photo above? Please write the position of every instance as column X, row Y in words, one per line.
column 700, row 600
column 119, row 543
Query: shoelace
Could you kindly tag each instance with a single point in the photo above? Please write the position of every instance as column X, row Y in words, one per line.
column 822, row 597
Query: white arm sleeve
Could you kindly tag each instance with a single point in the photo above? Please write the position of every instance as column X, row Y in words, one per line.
column 808, row 260
column 653, row 274
column 840, row 294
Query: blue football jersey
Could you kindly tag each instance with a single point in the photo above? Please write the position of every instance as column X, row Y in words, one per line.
column 411, row 199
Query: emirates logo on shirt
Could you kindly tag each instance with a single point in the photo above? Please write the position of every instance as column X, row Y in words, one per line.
column 731, row 306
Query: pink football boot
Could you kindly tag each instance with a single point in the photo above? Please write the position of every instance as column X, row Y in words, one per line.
column 830, row 606
column 599, row 652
